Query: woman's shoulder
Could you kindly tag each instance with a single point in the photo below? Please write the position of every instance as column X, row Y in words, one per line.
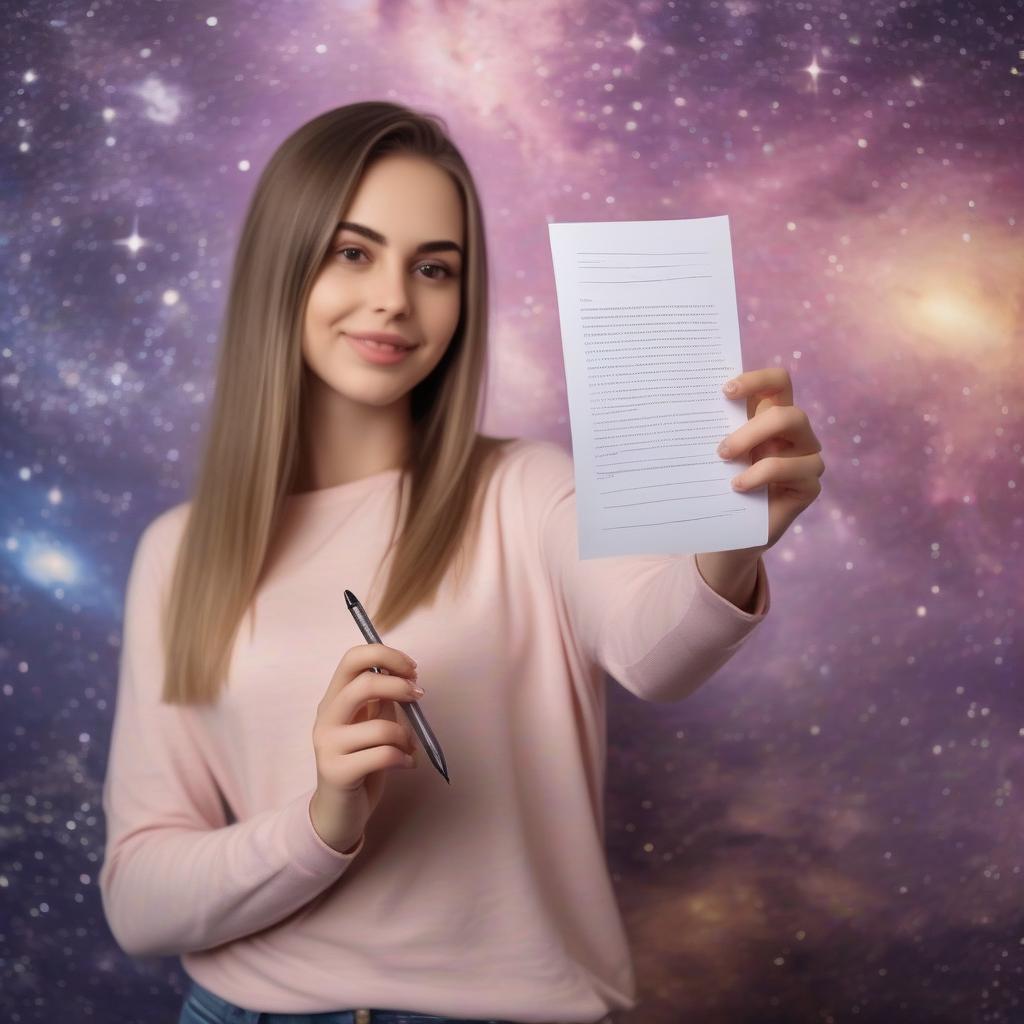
column 169, row 525
column 539, row 455
column 533, row 466
column 160, row 538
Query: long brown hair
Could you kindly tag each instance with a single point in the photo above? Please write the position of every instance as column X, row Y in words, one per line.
column 253, row 450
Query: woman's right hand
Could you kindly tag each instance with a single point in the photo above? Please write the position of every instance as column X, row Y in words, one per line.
column 354, row 747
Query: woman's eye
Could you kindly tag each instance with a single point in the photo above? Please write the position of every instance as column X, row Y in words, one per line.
column 444, row 275
column 438, row 266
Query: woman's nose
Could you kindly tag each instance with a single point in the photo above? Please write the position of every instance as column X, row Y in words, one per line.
column 391, row 290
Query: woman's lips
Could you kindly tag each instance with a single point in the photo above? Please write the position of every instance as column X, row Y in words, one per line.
column 383, row 355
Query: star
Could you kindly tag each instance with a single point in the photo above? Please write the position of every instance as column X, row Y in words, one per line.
column 134, row 242
column 814, row 70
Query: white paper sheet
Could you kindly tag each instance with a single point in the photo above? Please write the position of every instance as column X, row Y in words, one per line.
column 650, row 334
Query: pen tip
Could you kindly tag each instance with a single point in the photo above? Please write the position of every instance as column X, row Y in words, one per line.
column 350, row 599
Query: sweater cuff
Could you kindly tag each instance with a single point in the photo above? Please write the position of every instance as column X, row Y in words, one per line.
column 305, row 846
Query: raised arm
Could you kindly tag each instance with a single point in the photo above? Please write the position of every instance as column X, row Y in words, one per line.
column 651, row 621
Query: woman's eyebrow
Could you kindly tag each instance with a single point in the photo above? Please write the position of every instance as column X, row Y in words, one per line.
column 443, row 245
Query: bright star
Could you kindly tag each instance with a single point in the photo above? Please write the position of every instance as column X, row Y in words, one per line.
column 134, row 242
column 814, row 70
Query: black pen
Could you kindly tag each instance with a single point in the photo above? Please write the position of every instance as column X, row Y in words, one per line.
column 411, row 708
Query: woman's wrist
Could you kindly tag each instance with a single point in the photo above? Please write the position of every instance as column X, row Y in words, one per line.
column 340, row 844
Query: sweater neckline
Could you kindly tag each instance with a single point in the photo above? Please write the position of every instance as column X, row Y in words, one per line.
column 339, row 493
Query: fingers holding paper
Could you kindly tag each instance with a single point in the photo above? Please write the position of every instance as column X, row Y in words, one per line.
column 785, row 454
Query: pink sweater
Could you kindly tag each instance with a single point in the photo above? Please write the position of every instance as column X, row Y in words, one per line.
column 487, row 898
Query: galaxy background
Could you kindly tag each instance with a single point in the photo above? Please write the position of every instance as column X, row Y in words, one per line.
column 829, row 830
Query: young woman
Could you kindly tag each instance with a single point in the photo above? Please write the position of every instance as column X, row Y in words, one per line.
column 262, row 822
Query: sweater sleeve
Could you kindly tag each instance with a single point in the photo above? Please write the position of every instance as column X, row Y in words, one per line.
column 176, row 877
column 652, row 622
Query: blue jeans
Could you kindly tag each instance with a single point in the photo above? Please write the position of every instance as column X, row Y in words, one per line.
column 202, row 1006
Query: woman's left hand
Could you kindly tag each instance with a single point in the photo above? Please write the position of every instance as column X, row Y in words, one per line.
column 785, row 454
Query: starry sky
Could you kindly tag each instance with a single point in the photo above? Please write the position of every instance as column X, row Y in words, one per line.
column 831, row 828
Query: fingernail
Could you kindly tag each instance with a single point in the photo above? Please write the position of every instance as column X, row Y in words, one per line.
column 729, row 387
column 723, row 450
column 418, row 690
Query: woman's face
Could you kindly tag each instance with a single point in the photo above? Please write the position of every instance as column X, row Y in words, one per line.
column 383, row 284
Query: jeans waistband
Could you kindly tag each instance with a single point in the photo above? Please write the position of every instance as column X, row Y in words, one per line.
column 225, row 1012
